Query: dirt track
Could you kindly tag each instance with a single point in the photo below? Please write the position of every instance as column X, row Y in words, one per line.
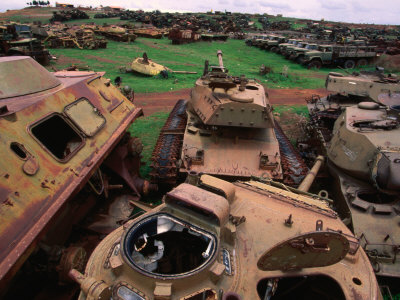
column 154, row 102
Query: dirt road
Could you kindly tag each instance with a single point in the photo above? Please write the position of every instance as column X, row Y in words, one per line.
column 154, row 102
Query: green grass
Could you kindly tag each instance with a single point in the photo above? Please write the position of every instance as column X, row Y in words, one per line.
column 147, row 129
column 238, row 58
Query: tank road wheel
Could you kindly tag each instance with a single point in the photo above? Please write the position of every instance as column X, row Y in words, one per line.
column 349, row 64
column 314, row 64
column 274, row 49
column 362, row 62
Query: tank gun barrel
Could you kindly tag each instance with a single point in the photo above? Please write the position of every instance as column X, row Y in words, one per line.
column 220, row 61
column 309, row 179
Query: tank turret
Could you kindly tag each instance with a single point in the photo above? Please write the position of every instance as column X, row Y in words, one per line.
column 219, row 99
column 358, row 129
column 210, row 242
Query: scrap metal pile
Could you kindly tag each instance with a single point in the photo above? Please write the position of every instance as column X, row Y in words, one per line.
column 67, row 15
column 75, row 38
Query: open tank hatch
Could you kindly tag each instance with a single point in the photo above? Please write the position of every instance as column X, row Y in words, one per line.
column 164, row 246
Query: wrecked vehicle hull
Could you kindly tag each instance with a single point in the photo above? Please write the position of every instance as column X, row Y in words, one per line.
column 358, row 130
column 61, row 135
column 239, row 249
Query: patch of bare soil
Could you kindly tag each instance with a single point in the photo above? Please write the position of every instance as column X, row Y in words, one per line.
column 64, row 60
column 154, row 102
column 102, row 59
column 389, row 62
column 292, row 124
column 152, row 45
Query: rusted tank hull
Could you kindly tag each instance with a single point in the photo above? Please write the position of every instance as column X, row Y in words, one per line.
column 241, row 250
column 372, row 216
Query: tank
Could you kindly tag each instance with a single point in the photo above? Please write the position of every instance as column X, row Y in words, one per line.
column 117, row 33
column 226, row 129
column 69, row 171
column 358, row 130
column 210, row 242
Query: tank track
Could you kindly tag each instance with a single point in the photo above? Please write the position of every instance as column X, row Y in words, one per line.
column 168, row 147
column 293, row 166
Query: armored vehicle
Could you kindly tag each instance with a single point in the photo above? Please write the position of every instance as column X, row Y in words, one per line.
column 180, row 36
column 67, row 163
column 358, row 130
column 226, row 129
column 218, row 240
column 345, row 56
column 117, row 33
column 16, row 39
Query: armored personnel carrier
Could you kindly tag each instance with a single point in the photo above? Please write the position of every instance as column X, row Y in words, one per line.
column 218, row 240
column 69, row 171
column 226, row 129
column 358, row 130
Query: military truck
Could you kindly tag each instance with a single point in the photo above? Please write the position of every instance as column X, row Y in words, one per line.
column 292, row 49
column 297, row 54
column 226, row 129
column 273, row 43
column 17, row 39
column 259, row 40
column 284, row 48
column 69, row 171
column 344, row 56
column 284, row 45
column 218, row 240
column 358, row 129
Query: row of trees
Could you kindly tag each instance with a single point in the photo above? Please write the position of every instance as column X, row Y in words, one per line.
column 36, row 3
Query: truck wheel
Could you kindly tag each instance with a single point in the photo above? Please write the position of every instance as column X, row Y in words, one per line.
column 292, row 57
column 362, row 62
column 300, row 60
column 349, row 64
column 274, row 49
column 315, row 64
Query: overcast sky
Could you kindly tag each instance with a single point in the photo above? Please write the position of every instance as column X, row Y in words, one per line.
column 357, row 11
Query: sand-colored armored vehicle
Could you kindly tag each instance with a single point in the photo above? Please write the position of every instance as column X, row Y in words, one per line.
column 153, row 32
column 345, row 56
column 117, row 33
column 358, row 129
column 218, row 240
column 226, row 129
column 67, row 163
column 81, row 38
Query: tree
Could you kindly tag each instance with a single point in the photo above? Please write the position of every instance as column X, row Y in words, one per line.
column 34, row 2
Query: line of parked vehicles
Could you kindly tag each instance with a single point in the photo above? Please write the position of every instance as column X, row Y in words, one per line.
column 315, row 54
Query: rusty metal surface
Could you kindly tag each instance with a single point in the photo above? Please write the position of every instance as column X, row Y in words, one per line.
column 361, row 140
column 32, row 197
column 229, row 130
column 232, row 270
